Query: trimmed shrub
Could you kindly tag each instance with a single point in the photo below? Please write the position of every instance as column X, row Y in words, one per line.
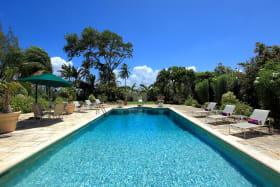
column 201, row 90
column 221, row 85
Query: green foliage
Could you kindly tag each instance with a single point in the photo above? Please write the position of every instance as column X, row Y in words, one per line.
column 221, row 85
column 191, row 102
column 9, row 51
column 22, row 103
column 43, row 102
column 175, row 83
column 229, row 98
column 59, row 100
column 268, row 89
column 69, row 93
column 104, row 51
column 35, row 60
column 202, row 91
column 241, row 108
column 91, row 98
column 102, row 98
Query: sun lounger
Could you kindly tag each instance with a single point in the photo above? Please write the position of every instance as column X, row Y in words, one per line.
column 92, row 106
column 79, row 107
column 100, row 105
column 256, row 121
column 226, row 113
column 97, row 101
column 207, row 110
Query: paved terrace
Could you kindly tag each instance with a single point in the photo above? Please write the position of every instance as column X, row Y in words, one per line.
column 34, row 135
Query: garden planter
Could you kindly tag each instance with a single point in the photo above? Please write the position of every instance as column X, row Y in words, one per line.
column 120, row 105
column 125, row 102
column 8, row 121
column 70, row 108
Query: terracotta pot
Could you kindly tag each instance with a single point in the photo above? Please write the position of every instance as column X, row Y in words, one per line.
column 70, row 108
column 8, row 121
column 125, row 102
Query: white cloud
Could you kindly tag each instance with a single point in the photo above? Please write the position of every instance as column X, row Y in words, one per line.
column 57, row 63
column 140, row 75
column 191, row 67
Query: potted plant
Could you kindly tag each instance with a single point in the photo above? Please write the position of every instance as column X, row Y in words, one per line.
column 120, row 103
column 71, row 96
column 160, row 101
column 8, row 118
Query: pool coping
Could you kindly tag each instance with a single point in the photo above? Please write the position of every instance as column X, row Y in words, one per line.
column 251, row 152
column 24, row 156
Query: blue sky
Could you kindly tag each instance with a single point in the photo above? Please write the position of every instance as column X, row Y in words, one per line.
column 196, row 33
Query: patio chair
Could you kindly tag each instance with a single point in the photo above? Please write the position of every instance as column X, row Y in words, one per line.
column 92, row 106
column 37, row 110
column 79, row 107
column 207, row 110
column 226, row 113
column 256, row 121
column 59, row 110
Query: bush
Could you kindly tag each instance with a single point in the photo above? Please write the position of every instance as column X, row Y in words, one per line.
column 201, row 90
column 59, row 100
column 68, row 93
column 229, row 98
column 22, row 103
column 221, row 85
column 178, row 99
column 241, row 108
column 191, row 102
column 91, row 98
column 43, row 102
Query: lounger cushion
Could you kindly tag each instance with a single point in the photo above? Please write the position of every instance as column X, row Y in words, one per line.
column 254, row 121
column 225, row 114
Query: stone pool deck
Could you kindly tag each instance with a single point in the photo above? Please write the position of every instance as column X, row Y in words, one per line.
column 32, row 136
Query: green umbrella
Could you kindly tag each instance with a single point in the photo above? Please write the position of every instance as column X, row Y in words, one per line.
column 47, row 79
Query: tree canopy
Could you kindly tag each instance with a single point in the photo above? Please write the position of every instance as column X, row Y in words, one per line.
column 104, row 51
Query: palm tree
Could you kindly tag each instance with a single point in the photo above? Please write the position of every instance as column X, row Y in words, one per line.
column 66, row 71
column 124, row 73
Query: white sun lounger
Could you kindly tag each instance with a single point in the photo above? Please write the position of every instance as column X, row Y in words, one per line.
column 79, row 107
column 259, row 116
column 92, row 106
column 228, row 110
column 209, row 108
column 100, row 105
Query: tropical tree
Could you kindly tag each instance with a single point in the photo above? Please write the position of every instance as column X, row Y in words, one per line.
column 36, row 60
column 124, row 73
column 8, row 46
column 66, row 71
column 104, row 51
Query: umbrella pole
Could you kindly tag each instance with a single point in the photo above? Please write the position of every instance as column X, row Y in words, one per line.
column 36, row 93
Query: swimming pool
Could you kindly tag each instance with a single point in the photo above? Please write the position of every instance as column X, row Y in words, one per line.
column 140, row 147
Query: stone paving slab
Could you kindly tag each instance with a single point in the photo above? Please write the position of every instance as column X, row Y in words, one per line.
column 33, row 135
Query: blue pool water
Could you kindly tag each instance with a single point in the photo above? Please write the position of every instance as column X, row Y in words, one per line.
column 133, row 149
